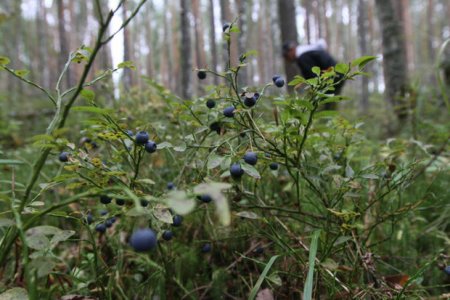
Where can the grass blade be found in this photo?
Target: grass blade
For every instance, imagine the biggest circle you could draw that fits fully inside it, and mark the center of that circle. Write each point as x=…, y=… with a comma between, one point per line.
x=307, y=292
x=261, y=278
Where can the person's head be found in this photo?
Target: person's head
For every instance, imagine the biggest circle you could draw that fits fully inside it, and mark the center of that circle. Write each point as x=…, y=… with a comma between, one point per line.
x=289, y=50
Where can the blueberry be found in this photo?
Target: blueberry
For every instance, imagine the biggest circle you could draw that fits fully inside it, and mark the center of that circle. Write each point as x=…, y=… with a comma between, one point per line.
x=129, y=132
x=170, y=185
x=236, y=171
x=100, y=228
x=210, y=103
x=259, y=250
x=120, y=202
x=251, y=158
x=89, y=218
x=64, y=157
x=201, y=75
x=249, y=101
x=279, y=82
x=105, y=199
x=143, y=240
x=215, y=127
x=273, y=166
x=150, y=146
x=144, y=203
x=141, y=137
x=447, y=270
x=206, y=248
x=103, y=212
x=205, y=198
x=225, y=27
x=167, y=235
x=109, y=223
x=275, y=77
x=229, y=111
x=113, y=219
x=177, y=220
x=256, y=96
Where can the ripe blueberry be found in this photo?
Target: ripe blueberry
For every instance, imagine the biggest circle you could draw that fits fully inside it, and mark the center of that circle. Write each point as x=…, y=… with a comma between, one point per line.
x=109, y=223
x=201, y=75
x=236, y=171
x=447, y=270
x=249, y=101
x=273, y=166
x=129, y=132
x=144, y=203
x=259, y=250
x=279, y=82
x=64, y=157
x=229, y=111
x=103, y=212
x=177, y=220
x=215, y=127
x=251, y=158
x=275, y=77
x=225, y=27
x=120, y=202
x=100, y=228
x=143, y=240
x=206, y=248
x=167, y=235
x=210, y=103
x=89, y=218
x=113, y=219
x=205, y=198
x=105, y=199
x=170, y=185
x=141, y=137
x=150, y=146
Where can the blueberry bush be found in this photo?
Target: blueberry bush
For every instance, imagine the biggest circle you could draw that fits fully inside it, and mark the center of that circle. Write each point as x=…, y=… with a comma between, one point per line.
x=239, y=193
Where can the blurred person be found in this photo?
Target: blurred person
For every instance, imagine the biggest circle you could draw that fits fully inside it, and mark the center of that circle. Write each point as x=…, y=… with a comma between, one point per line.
x=309, y=56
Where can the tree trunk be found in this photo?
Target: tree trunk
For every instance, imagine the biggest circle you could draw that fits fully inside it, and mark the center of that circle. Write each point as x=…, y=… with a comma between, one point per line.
x=186, y=64
x=199, y=42
x=127, y=75
x=227, y=17
x=63, y=42
x=394, y=58
x=148, y=40
x=288, y=27
x=212, y=37
x=362, y=38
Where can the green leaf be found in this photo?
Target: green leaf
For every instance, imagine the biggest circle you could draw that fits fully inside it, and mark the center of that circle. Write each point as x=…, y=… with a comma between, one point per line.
x=214, y=161
x=163, y=214
x=362, y=61
x=180, y=203
x=38, y=242
x=21, y=73
x=92, y=109
x=4, y=61
x=180, y=148
x=43, y=265
x=349, y=173
x=297, y=80
x=6, y=222
x=341, y=68
x=316, y=70
x=236, y=29
x=88, y=94
x=250, y=170
x=127, y=64
x=16, y=293
x=261, y=278
x=326, y=114
x=164, y=145
x=61, y=236
x=370, y=176
x=308, y=289
x=247, y=215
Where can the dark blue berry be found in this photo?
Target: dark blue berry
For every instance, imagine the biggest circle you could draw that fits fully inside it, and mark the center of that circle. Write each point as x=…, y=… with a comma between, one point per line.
x=109, y=223
x=141, y=137
x=143, y=240
x=129, y=132
x=275, y=77
x=205, y=198
x=206, y=248
x=170, y=185
x=201, y=75
x=215, y=127
x=64, y=157
x=225, y=27
x=113, y=219
x=447, y=270
x=236, y=171
x=250, y=101
x=259, y=250
x=103, y=212
x=229, y=111
x=100, y=228
x=251, y=158
x=273, y=166
x=279, y=82
x=210, y=103
x=144, y=203
x=89, y=218
x=150, y=146
x=120, y=202
x=105, y=199
x=167, y=235
x=177, y=220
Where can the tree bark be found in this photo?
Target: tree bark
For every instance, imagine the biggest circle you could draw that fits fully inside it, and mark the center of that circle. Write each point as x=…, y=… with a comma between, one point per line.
x=127, y=75
x=63, y=42
x=394, y=58
x=186, y=60
x=288, y=27
x=362, y=38
x=212, y=38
